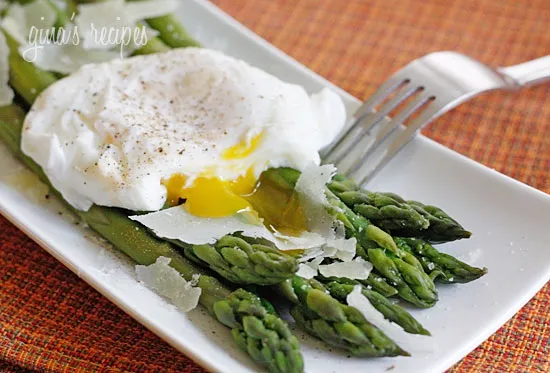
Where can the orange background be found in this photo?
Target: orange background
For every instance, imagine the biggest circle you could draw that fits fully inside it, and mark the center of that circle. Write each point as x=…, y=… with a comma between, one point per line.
x=52, y=321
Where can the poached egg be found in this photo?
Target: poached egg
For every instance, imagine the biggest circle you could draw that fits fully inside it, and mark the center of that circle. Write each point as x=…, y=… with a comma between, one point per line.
x=190, y=124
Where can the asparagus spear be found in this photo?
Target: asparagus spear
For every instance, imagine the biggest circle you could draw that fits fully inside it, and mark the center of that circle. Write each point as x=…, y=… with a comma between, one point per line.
x=285, y=178
x=380, y=208
x=397, y=216
x=333, y=322
x=399, y=267
x=340, y=288
x=172, y=32
x=442, y=227
x=243, y=260
x=255, y=327
x=379, y=284
x=442, y=267
x=170, y=29
x=25, y=78
x=154, y=45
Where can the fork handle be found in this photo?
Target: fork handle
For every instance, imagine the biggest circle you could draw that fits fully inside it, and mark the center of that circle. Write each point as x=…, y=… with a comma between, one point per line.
x=528, y=73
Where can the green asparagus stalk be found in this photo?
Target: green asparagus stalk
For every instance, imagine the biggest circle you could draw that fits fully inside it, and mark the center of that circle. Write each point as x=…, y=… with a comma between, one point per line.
x=285, y=178
x=25, y=78
x=340, y=288
x=442, y=267
x=411, y=282
x=255, y=327
x=379, y=284
x=211, y=257
x=381, y=209
x=397, y=216
x=333, y=322
x=259, y=331
x=172, y=32
x=400, y=268
x=243, y=260
x=442, y=227
x=154, y=45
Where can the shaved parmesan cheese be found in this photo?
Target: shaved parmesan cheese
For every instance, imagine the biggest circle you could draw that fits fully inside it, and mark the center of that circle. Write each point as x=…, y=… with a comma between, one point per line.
x=344, y=249
x=6, y=93
x=167, y=282
x=311, y=186
x=105, y=24
x=309, y=270
x=306, y=240
x=316, y=252
x=305, y=271
x=357, y=269
x=337, y=248
x=315, y=263
x=413, y=343
x=11, y=26
x=176, y=223
x=14, y=23
x=139, y=10
x=19, y=20
x=67, y=58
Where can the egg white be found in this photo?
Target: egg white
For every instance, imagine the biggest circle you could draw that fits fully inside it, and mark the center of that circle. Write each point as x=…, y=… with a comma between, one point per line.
x=110, y=133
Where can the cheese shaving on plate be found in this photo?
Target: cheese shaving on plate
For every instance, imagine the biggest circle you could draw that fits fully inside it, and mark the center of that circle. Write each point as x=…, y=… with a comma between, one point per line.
x=176, y=223
x=66, y=58
x=311, y=186
x=357, y=269
x=20, y=19
x=116, y=16
x=309, y=270
x=340, y=248
x=6, y=93
x=167, y=282
x=413, y=343
x=306, y=271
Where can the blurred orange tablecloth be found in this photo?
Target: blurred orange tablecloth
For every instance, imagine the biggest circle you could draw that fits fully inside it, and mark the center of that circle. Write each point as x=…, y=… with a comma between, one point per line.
x=50, y=320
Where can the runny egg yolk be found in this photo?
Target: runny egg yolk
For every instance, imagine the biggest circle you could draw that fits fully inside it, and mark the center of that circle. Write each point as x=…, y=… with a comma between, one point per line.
x=242, y=149
x=210, y=196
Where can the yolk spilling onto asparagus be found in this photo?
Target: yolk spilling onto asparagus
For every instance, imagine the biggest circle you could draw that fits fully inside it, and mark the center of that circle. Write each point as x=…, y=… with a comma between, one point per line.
x=213, y=197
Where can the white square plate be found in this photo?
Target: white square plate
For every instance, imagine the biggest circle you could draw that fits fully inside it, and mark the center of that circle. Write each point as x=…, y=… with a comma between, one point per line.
x=509, y=221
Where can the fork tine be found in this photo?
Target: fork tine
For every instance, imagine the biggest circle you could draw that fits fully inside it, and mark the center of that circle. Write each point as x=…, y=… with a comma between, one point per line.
x=371, y=119
x=367, y=107
x=429, y=114
x=364, y=125
x=335, y=152
x=383, y=92
x=388, y=128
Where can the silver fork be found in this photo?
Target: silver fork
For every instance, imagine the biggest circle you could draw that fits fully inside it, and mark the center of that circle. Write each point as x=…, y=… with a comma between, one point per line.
x=427, y=88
